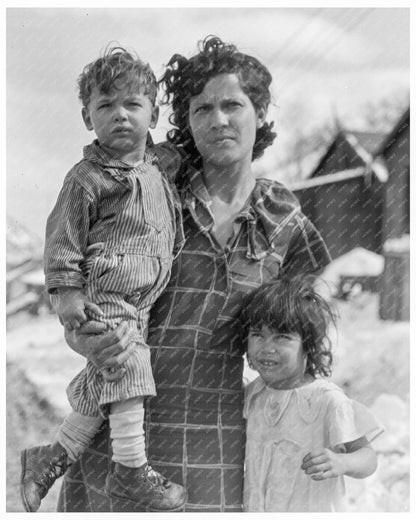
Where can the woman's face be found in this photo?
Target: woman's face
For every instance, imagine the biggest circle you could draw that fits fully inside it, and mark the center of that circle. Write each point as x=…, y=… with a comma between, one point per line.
x=223, y=122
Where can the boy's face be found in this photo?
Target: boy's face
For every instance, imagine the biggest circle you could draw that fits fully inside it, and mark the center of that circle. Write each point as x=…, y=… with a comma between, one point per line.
x=121, y=120
x=277, y=356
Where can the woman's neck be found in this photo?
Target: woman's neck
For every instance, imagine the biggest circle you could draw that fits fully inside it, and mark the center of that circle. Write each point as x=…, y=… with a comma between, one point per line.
x=230, y=184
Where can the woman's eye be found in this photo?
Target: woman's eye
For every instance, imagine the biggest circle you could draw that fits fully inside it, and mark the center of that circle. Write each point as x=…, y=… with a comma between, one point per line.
x=201, y=109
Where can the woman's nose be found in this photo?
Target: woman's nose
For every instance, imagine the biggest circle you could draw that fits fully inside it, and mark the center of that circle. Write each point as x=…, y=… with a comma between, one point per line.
x=219, y=119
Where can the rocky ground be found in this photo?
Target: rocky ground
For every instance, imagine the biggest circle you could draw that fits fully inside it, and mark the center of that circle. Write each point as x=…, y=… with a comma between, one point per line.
x=372, y=364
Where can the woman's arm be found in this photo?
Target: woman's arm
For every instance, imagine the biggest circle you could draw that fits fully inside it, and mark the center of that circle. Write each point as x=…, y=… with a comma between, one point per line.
x=104, y=349
x=360, y=461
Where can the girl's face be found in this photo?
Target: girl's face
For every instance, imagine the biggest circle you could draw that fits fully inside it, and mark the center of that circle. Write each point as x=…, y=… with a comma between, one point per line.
x=223, y=122
x=278, y=357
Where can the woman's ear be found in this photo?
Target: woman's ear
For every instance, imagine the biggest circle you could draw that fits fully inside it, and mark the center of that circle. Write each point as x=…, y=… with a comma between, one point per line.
x=155, y=117
x=261, y=114
x=87, y=119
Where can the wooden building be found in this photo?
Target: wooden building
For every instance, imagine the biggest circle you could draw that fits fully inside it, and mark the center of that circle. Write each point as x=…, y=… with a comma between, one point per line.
x=358, y=195
x=395, y=153
x=348, y=150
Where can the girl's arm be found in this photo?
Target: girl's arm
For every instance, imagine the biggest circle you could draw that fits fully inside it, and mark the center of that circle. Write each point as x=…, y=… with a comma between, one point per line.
x=360, y=461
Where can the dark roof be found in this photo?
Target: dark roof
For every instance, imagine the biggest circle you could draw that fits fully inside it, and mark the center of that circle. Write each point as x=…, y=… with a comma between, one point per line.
x=364, y=144
x=402, y=123
x=370, y=141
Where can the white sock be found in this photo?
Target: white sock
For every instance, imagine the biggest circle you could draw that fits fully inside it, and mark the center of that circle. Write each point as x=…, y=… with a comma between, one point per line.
x=127, y=434
x=76, y=433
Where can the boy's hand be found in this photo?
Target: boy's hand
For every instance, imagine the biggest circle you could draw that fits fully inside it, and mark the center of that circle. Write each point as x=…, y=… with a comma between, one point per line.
x=323, y=464
x=70, y=305
x=114, y=373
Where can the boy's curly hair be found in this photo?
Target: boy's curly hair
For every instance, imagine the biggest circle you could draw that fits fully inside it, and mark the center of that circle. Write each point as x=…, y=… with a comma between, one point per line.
x=117, y=68
x=292, y=305
x=185, y=78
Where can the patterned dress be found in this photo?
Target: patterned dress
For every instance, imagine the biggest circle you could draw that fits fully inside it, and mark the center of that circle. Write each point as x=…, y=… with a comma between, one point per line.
x=195, y=428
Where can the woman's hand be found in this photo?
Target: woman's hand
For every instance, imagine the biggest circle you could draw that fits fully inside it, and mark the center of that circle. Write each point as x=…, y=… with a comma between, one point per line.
x=106, y=350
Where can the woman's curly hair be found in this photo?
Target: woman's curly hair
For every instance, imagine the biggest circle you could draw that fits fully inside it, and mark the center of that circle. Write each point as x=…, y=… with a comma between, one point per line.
x=116, y=67
x=292, y=305
x=185, y=78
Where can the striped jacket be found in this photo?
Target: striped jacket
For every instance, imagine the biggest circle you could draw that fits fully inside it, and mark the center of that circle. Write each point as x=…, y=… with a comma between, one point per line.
x=87, y=209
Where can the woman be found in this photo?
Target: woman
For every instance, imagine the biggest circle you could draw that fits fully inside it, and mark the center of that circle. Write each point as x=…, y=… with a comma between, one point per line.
x=240, y=232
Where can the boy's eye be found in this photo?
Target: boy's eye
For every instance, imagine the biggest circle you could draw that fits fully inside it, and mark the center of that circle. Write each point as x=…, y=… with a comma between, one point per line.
x=104, y=105
x=233, y=104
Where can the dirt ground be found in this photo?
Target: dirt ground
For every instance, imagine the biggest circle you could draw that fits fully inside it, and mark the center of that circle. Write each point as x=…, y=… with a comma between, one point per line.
x=372, y=364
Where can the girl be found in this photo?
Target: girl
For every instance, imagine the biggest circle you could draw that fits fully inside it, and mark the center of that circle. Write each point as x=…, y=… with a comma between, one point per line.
x=303, y=433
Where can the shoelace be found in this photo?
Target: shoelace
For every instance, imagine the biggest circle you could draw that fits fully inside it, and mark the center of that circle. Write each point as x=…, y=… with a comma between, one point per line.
x=155, y=477
x=57, y=467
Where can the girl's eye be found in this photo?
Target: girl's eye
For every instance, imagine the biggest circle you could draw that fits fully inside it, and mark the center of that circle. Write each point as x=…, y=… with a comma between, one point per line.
x=104, y=105
x=284, y=337
x=255, y=334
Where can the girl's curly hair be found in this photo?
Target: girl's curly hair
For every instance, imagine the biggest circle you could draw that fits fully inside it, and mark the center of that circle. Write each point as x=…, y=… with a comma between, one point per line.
x=185, y=78
x=292, y=305
x=116, y=67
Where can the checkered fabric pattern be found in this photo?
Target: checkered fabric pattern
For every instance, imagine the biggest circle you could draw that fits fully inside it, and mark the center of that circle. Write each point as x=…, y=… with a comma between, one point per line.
x=194, y=427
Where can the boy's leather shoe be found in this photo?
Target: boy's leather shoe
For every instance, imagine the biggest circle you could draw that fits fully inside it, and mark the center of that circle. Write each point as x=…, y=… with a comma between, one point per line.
x=41, y=466
x=146, y=487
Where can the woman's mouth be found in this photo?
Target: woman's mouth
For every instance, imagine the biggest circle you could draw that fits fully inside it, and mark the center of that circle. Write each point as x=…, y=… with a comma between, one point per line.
x=267, y=363
x=223, y=139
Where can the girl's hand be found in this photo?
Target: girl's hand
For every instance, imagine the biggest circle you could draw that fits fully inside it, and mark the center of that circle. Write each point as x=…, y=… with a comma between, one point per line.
x=323, y=464
x=105, y=349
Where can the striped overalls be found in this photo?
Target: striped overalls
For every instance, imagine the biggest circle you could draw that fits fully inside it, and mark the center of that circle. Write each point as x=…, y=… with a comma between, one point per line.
x=124, y=274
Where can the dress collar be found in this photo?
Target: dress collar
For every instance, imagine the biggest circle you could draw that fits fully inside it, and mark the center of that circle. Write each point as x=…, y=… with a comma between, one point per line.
x=270, y=205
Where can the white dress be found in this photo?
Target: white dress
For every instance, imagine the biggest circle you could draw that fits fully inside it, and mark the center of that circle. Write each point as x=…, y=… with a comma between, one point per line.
x=282, y=427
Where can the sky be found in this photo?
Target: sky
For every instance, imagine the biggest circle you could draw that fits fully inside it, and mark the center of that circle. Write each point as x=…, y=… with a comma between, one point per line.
x=323, y=61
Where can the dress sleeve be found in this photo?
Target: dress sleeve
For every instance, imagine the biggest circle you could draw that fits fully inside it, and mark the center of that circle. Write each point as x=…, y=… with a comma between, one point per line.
x=307, y=251
x=169, y=158
x=66, y=236
x=348, y=420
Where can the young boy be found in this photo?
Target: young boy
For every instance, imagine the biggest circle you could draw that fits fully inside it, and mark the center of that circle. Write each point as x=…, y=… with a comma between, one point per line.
x=108, y=256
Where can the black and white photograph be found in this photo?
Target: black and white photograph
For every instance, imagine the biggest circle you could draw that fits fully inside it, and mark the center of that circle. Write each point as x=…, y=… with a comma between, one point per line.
x=208, y=259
